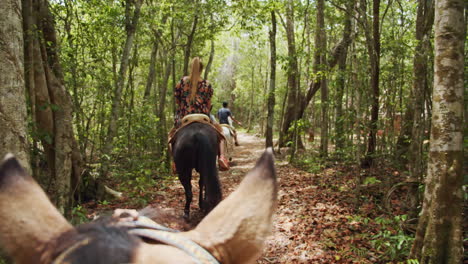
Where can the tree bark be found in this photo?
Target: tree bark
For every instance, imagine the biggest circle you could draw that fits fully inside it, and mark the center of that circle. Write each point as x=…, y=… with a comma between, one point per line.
x=188, y=46
x=439, y=233
x=291, y=113
x=271, y=89
x=373, y=47
x=131, y=25
x=152, y=65
x=13, y=136
x=53, y=104
x=320, y=68
x=210, y=61
x=424, y=22
x=339, y=122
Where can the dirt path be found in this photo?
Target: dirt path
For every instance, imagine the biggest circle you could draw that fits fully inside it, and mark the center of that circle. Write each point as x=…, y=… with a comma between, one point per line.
x=314, y=220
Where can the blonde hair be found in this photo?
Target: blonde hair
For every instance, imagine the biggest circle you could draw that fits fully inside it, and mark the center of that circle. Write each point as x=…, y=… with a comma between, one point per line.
x=195, y=73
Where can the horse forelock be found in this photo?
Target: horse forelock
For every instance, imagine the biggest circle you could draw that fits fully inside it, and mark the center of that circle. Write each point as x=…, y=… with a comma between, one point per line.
x=95, y=242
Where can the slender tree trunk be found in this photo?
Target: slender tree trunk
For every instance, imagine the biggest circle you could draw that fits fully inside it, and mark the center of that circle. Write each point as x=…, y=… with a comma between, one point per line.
x=152, y=65
x=252, y=90
x=320, y=65
x=162, y=108
x=424, y=22
x=271, y=89
x=373, y=44
x=290, y=114
x=439, y=233
x=188, y=46
x=131, y=26
x=152, y=69
x=13, y=136
x=210, y=60
x=339, y=122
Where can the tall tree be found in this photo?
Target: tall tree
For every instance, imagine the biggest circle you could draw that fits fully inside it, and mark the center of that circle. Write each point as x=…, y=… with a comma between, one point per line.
x=12, y=92
x=52, y=103
x=131, y=23
x=291, y=112
x=424, y=22
x=373, y=48
x=190, y=37
x=271, y=89
x=439, y=233
x=320, y=71
x=339, y=122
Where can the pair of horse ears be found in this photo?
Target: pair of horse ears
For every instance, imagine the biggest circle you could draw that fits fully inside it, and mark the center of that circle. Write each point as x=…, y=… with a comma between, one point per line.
x=234, y=231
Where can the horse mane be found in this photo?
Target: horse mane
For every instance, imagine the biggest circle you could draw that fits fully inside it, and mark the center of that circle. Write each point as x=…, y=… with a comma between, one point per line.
x=96, y=242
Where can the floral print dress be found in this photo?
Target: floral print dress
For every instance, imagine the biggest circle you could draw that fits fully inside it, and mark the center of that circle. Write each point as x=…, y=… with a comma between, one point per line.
x=201, y=104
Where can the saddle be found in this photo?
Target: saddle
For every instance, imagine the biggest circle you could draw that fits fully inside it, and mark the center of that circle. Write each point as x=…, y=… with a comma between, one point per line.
x=192, y=118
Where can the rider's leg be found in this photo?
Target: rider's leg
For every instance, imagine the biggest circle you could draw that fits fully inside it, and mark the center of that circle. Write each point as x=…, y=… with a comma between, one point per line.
x=222, y=161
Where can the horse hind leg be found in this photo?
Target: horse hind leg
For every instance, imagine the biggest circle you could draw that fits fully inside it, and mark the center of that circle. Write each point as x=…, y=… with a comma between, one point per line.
x=185, y=178
x=201, y=200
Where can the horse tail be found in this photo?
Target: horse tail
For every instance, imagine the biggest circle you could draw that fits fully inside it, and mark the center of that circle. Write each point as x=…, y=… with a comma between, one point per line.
x=207, y=152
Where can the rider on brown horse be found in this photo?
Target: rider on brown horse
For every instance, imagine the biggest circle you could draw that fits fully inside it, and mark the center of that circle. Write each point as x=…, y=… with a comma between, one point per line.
x=193, y=96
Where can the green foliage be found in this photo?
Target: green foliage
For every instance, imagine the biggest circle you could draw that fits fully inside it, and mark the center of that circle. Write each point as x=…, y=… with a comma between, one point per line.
x=392, y=241
x=371, y=181
x=78, y=215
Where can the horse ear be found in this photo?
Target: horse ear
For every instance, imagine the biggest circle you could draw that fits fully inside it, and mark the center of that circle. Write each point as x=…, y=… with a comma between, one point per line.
x=234, y=232
x=29, y=219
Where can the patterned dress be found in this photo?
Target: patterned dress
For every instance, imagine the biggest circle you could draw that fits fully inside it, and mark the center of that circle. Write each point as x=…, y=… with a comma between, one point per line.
x=201, y=104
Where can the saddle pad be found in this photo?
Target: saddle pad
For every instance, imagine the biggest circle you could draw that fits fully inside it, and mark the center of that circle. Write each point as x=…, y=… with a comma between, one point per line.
x=192, y=118
x=195, y=118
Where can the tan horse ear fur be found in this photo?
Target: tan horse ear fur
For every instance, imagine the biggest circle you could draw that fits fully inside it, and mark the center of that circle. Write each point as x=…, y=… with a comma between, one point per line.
x=235, y=231
x=28, y=218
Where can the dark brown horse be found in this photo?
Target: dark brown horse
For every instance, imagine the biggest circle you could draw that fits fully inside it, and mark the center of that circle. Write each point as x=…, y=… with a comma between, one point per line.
x=196, y=147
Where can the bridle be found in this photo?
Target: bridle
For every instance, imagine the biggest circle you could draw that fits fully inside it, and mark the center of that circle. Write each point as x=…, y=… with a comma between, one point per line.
x=147, y=229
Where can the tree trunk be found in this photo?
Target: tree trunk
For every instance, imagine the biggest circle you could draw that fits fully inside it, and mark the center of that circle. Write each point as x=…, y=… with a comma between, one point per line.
x=320, y=66
x=373, y=47
x=152, y=69
x=339, y=122
x=13, y=136
x=131, y=25
x=424, y=22
x=152, y=65
x=210, y=61
x=291, y=113
x=188, y=46
x=53, y=104
x=252, y=91
x=271, y=89
x=439, y=233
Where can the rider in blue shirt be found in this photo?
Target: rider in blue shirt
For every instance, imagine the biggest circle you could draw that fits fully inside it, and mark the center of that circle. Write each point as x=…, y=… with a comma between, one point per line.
x=223, y=116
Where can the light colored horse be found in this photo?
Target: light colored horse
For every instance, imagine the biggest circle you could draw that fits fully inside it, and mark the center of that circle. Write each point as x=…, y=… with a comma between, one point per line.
x=33, y=230
x=229, y=142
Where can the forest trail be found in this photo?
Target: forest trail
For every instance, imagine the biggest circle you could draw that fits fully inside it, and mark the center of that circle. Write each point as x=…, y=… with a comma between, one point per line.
x=313, y=222
x=317, y=219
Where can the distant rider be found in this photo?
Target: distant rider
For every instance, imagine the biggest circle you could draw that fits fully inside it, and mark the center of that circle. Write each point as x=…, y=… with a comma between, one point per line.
x=223, y=116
